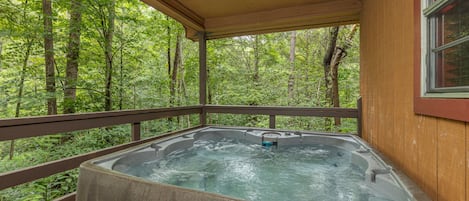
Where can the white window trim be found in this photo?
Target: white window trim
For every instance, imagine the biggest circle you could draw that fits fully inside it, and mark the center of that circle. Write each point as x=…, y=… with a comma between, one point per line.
x=424, y=50
x=424, y=82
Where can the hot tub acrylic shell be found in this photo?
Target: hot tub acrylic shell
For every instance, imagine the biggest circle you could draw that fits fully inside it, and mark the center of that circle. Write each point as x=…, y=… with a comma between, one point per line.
x=102, y=178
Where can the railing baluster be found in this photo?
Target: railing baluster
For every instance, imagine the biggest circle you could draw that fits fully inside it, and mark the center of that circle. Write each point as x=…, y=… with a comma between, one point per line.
x=136, y=131
x=359, y=117
x=271, y=121
x=203, y=117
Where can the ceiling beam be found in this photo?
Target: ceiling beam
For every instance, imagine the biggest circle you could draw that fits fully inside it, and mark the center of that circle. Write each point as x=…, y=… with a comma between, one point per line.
x=179, y=12
x=280, y=28
x=314, y=15
x=307, y=16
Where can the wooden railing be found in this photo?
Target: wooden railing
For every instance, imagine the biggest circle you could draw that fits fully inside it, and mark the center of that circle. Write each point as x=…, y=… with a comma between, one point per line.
x=38, y=126
x=11, y=129
x=285, y=111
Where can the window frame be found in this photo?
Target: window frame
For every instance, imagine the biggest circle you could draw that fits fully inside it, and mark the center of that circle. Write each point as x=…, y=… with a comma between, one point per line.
x=431, y=50
x=448, y=105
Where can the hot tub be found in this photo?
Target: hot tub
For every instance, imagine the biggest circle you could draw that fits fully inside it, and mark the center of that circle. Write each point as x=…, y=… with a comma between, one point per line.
x=215, y=163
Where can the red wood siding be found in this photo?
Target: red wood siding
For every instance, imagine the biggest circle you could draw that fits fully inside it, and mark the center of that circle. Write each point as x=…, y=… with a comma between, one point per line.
x=432, y=151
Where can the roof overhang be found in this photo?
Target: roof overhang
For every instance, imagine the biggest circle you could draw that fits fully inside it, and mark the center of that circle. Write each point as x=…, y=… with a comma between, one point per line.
x=228, y=18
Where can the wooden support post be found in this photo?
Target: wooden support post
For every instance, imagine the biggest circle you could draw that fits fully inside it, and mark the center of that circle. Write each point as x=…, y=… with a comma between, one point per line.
x=271, y=121
x=359, y=117
x=136, y=131
x=203, y=76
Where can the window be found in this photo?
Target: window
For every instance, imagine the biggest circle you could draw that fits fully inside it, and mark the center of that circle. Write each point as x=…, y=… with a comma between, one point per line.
x=447, y=50
x=441, y=68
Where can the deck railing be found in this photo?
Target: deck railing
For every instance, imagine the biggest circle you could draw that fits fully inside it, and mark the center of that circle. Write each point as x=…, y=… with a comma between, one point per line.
x=11, y=129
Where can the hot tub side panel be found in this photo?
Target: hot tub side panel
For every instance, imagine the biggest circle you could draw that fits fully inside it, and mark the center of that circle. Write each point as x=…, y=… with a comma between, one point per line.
x=97, y=184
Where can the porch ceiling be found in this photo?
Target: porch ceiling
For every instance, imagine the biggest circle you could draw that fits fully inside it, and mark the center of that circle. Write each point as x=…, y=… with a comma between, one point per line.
x=227, y=18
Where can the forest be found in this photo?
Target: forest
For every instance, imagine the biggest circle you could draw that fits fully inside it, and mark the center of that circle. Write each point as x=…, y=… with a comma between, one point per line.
x=78, y=56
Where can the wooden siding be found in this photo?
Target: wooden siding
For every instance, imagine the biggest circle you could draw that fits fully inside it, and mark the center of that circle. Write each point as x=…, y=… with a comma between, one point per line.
x=431, y=151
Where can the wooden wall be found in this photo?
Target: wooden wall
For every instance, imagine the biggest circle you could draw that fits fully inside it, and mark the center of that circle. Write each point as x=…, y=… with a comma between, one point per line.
x=431, y=151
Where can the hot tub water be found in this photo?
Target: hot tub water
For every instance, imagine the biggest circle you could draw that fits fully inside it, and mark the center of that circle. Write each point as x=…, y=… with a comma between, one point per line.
x=234, y=164
x=252, y=172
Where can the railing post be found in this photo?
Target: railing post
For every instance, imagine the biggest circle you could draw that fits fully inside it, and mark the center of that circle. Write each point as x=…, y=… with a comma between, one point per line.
x=271, y=121
x=359, y=117
x=202, y=76
x=203, y=116
x=135, y=131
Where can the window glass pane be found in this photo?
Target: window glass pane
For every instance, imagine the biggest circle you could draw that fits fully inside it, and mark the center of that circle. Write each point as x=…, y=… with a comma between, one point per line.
x=452, y=66
x=452, y=22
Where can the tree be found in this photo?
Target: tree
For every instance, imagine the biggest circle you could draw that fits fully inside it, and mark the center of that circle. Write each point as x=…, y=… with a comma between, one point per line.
x=174, y=73
x=49, y=57
x=121, y=62
x=73, y=54
x=181, y=81
x=1, y=48
x=105, y=12
x=256, y=61
x=332, y=59
x=291, y=77
x=168, y=48
x=108, y=33
x=27, y=53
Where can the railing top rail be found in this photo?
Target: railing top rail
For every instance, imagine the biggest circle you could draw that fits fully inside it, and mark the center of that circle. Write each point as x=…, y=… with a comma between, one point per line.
x=91, y=115
x=38, y=126
x=283, y=110
x=24, y=175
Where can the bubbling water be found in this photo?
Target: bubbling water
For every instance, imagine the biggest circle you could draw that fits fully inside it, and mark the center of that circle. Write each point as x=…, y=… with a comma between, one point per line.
x=252, y=172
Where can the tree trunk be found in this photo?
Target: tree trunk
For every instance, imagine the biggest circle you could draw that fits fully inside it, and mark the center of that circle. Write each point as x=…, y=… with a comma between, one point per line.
x=254, y=120
x=327, y=63
x=182, y=100
x=182, y=82
x=335, y=87
x=168, y=60
x=27, y=54
x=22, y=76
x=29, y=44
x=108, y=36
x=339, y=54
x=256, y=61
x=174, y=73
x=209, y=91
x=291, y=77
x=1, y=54
x=49, y=57
x=121, y=70
x=135, y=97
x=328, y=72
x=332, y=60
x=168, y=50
x=73, y=55
x=182, y=86
x=174, y=76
